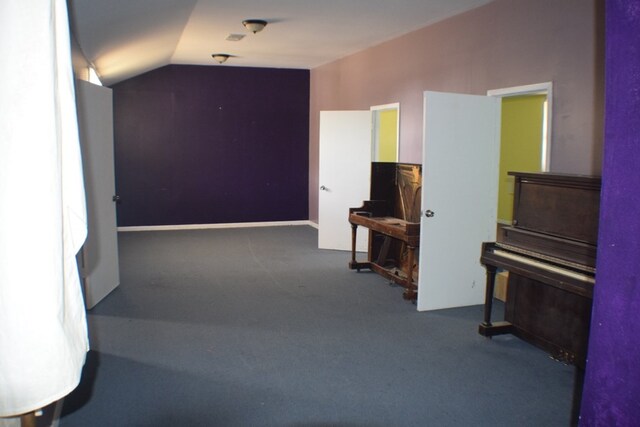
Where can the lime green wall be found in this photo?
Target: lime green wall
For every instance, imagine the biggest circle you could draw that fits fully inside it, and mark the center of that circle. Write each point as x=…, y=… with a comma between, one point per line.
x=388, y=134
x=520, y=145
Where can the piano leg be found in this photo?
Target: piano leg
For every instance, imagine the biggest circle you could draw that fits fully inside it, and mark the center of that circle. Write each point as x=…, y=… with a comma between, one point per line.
x=354, y=264
x=488, y=296
x=487, y=328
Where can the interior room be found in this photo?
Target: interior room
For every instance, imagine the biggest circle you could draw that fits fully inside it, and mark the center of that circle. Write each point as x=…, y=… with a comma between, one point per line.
x=230, y=151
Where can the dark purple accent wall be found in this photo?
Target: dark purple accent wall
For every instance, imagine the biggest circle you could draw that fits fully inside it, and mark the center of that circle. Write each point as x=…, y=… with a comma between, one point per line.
x=611, y=394
x=212, y=144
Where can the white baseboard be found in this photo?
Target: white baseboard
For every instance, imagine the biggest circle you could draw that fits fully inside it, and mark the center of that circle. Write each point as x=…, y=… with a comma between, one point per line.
x=213, y=226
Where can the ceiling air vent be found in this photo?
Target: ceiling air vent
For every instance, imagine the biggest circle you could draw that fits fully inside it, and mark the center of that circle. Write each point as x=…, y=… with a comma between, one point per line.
x=234, y=37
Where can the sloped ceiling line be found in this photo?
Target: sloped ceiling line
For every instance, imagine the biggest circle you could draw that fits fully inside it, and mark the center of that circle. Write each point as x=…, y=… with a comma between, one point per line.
x=125, y=38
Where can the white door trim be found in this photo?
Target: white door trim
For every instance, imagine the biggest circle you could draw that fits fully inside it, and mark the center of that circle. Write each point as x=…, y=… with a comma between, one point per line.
x=375, y=109
x=545, y=88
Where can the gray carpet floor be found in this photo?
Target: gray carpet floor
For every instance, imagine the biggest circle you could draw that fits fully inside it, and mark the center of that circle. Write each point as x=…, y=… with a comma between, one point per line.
x=258, y=327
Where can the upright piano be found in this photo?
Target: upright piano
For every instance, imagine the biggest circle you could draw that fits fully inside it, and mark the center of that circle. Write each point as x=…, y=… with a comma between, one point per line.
x=550, y=254
x=393, y=219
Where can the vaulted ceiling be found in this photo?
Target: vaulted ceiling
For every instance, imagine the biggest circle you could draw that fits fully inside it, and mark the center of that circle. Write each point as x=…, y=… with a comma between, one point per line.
x=124, y=38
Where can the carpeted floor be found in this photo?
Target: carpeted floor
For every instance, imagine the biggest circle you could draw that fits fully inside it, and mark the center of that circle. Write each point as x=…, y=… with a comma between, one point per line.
x=257, y=327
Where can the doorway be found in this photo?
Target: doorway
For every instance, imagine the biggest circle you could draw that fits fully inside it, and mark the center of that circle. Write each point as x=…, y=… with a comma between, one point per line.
x=524, y=138
x=385, y=132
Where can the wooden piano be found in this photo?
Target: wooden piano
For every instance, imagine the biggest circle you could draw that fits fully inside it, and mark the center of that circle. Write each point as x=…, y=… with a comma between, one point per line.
x=550, y=254
x=393, y=219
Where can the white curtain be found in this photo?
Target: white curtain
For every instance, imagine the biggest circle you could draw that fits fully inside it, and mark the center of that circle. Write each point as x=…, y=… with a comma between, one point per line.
x=43, y=331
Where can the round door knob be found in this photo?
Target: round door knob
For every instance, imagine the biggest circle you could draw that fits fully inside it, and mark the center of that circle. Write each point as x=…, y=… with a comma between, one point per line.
x=323, y=188
x=429, y=213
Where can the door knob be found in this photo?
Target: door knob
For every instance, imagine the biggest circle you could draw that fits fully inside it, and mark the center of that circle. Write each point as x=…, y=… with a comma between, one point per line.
x=116, y=199
x=323, y=188
x=429, y=213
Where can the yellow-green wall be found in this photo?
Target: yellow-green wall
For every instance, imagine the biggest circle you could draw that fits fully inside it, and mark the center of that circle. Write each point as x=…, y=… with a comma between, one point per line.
x=388, y=134
x=520, y=145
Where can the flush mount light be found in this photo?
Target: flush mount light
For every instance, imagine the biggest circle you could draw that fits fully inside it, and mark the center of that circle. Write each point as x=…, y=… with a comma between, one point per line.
x=221, y=57
x=254, y=25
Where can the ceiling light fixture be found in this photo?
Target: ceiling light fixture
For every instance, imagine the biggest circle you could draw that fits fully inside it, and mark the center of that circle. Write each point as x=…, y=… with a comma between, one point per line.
x=254, y=25
x=220, y=57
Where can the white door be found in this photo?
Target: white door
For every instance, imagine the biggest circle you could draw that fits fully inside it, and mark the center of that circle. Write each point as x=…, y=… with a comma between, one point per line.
x=99, y=256
x=344, y=175
x=461, y=149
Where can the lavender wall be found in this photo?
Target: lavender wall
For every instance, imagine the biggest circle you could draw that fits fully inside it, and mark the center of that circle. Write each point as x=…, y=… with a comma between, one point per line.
x=612, y=384
x=502, y=44
x=199, y=145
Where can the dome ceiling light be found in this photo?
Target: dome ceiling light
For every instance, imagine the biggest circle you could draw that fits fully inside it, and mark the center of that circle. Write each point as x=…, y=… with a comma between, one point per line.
x=221, y=57
x=254, y=25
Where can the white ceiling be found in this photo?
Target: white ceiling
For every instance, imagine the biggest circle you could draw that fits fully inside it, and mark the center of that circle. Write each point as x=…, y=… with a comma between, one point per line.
x=124, y=38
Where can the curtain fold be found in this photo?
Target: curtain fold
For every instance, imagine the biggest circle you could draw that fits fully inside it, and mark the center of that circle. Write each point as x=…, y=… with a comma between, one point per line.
x=43, y=330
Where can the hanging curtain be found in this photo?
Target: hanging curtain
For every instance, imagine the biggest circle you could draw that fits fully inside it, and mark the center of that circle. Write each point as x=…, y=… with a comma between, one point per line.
x=43, y=331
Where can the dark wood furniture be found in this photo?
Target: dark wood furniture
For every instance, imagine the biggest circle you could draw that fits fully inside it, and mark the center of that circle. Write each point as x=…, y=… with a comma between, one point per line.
x=550, y=254
x=393, y=219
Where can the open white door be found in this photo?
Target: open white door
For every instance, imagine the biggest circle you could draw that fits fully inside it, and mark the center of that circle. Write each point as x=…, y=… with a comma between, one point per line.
x=461, y=151
x=99, y=256
x=344, y=175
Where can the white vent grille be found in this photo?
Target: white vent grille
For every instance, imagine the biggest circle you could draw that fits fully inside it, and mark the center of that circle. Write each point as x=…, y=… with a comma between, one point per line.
x=234, y=37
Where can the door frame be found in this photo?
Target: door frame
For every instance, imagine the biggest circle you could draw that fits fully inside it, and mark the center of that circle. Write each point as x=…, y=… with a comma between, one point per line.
x=545, y=88
x=375, y=126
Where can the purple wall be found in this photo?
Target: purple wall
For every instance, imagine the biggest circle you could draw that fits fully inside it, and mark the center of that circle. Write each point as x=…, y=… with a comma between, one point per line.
x=611, y=394
x=200, y=145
